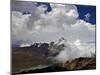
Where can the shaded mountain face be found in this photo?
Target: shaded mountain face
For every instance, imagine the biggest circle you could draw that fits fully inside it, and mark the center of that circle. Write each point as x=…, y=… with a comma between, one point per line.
x=26, y=57
x=36, y=48
x=40, y=48
x=55, y=47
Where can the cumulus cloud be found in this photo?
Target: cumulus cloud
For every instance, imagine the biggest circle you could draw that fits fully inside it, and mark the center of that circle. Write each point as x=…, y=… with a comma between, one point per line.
x=61, y=21
x=39, y=26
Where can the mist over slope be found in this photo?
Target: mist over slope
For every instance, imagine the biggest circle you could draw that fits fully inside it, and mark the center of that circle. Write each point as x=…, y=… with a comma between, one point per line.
x=62, y=50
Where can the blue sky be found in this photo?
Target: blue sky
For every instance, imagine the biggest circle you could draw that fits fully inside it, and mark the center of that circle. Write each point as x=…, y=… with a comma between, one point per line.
x=83, y=10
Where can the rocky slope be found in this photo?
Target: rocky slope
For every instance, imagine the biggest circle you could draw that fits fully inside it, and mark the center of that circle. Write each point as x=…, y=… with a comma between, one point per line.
x=77, y=64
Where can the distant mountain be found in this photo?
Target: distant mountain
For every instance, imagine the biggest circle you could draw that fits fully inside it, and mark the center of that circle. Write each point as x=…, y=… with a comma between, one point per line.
x=39, y=48
x=15, y=45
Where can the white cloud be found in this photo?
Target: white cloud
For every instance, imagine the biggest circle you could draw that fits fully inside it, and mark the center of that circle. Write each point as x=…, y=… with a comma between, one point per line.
x=41, y=26
x=87, y=16
x=82, y=30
